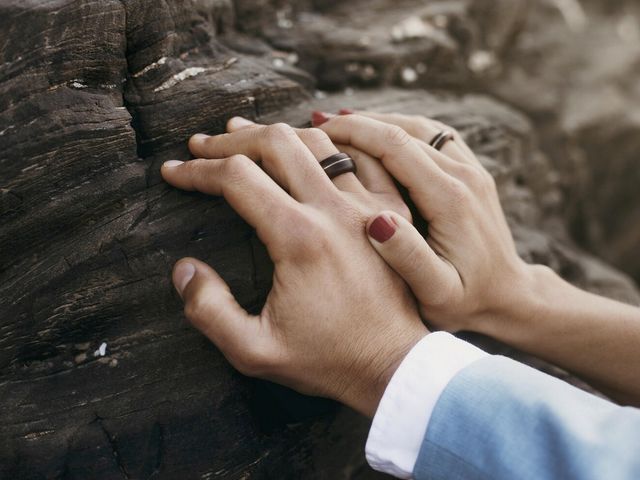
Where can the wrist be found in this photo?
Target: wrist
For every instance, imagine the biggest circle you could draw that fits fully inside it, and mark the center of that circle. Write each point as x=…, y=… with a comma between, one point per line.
x=529, y=294
x=367, y=387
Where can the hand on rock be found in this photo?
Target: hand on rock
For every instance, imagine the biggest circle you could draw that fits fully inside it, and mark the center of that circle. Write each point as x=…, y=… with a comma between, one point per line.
x=338, y=319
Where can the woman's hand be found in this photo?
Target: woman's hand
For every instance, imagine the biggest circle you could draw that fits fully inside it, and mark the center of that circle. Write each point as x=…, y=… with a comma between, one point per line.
x=467, y=275
x=466, y=272
x=338, y=320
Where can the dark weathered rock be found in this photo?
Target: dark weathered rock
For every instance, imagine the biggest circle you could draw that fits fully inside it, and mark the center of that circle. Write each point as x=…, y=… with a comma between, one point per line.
x=407, y=42
x=93, y=97
x=575, y=71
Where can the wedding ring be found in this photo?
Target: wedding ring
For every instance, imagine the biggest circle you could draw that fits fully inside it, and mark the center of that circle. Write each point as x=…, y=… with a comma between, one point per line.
x=338, y=164
x=441, y=139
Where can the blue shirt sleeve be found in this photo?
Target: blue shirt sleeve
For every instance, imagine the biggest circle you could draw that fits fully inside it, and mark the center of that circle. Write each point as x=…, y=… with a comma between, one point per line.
x=501, y=420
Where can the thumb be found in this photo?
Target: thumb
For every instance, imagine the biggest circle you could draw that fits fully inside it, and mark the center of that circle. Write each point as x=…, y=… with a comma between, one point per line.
x=211, y=307
x=430, y=277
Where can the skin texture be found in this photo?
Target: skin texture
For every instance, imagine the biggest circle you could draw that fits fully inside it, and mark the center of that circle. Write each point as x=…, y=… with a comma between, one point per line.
x=338, y=319
x=467, y=275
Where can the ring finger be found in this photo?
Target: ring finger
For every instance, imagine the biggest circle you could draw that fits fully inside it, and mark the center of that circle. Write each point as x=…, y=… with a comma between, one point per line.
x=322, y=147
x=318, y=143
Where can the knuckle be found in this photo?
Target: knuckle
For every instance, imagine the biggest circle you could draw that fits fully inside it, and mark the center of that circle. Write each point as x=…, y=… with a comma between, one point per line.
x=396, y=136
x=196, y=167
x=488, y=182
x=423, y=123
x=236, y=167
x=469, y=174
x=278, y=132
x=418, y=127
x=315, y=137
x=309, y=238
x=315, y=242
x=443, y=126
x=459, y=194
x=476, y=178
x=409, y=263
x=199, y=172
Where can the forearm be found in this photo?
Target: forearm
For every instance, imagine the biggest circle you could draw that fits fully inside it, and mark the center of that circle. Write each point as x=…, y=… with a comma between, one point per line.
x=591, y=336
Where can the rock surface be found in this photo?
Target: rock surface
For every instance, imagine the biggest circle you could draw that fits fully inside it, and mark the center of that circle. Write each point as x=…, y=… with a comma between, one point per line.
x=95, y=95
x=576, y=74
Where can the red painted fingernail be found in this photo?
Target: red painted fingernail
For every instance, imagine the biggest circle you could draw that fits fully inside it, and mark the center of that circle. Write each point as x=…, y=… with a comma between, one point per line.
x=382, y=228
x=318, y=118
x=346, y=111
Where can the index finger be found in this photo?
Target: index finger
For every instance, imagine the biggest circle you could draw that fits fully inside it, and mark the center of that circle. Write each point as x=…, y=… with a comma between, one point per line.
x=425, y=129
x=283, y=155
x=248, y=189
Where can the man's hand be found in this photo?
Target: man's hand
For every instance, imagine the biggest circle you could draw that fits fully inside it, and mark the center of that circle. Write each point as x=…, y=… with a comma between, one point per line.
x=466, y=272
x=338, y=320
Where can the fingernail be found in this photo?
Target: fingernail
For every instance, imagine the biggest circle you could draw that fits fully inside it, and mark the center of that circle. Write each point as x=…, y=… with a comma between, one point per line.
x=382, y=228
x=199, y=137
x=346, y=111
x=182, y=275
x=239, y=122
x=172, y=163
x=318, y=118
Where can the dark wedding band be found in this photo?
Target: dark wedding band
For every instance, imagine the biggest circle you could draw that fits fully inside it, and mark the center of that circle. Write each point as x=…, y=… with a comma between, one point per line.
x=441, y=139
x=338, y=164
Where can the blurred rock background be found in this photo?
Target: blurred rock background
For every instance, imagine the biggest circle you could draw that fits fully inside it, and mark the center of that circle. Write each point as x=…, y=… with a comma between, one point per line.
x=95, y=95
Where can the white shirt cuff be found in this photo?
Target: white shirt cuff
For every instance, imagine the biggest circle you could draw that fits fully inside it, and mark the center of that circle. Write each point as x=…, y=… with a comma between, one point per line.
x=401, y=420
